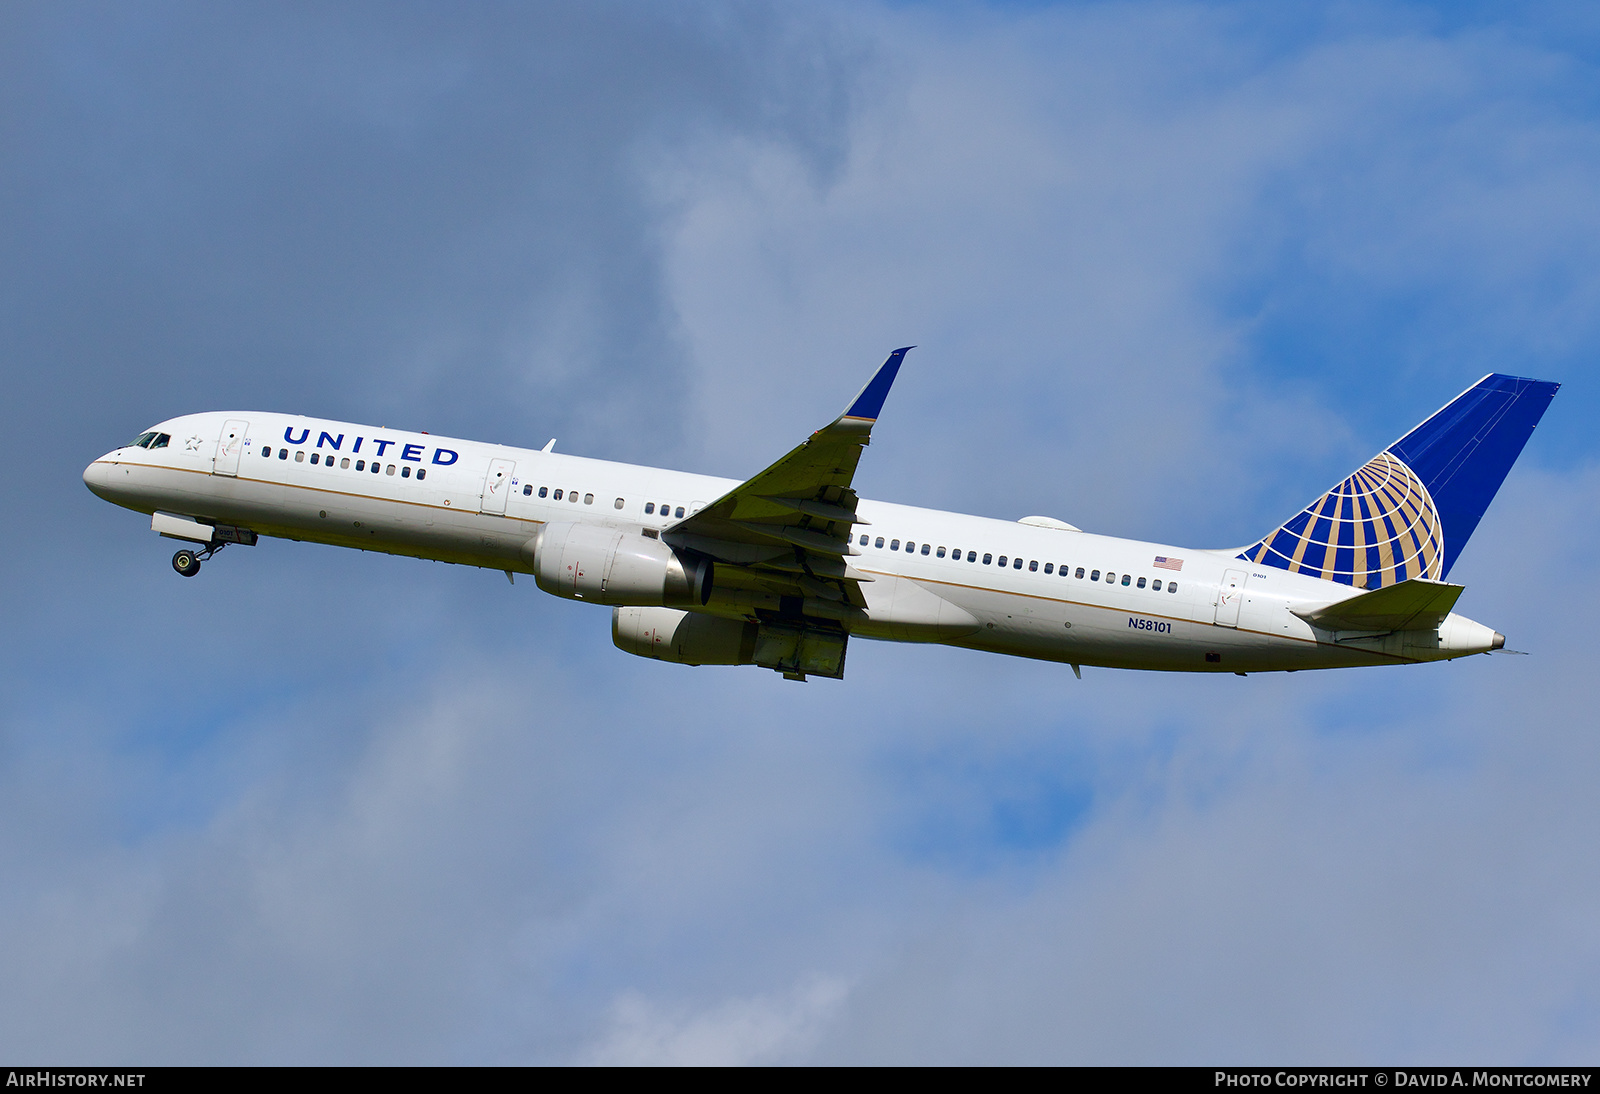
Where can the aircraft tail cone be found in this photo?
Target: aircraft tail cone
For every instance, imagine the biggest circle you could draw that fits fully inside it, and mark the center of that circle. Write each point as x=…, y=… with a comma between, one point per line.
x=1499, y=641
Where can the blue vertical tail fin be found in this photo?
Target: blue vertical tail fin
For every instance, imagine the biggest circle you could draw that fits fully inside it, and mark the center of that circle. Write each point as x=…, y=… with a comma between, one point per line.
x=1408, y=512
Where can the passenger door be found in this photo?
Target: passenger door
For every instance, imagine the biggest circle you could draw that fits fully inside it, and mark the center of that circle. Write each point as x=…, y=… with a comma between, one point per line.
x=229, y=445
x=497, y=486
x=1230, y=594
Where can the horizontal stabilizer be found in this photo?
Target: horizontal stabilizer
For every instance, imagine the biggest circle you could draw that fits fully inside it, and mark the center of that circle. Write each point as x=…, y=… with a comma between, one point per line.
x=1414, y=605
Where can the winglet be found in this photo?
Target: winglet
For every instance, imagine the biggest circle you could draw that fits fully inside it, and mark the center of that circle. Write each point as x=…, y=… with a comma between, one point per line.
x=869, y=403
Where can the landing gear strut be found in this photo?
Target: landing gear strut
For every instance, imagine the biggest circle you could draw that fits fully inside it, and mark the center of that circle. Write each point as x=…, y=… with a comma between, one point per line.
x=187, y=562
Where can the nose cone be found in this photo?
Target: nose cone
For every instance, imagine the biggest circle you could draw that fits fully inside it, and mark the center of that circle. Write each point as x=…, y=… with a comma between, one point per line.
x=97, y=476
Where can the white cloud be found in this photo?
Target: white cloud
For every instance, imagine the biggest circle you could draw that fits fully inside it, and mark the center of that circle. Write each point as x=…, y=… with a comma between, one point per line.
x=759, y=1030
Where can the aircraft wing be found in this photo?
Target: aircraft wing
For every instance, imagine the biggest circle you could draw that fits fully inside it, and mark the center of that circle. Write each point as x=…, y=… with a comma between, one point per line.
x=788, y=529
x=1417, y=604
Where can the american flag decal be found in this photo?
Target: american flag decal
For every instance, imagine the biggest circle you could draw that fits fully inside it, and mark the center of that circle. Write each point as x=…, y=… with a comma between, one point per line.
x=1165, y=563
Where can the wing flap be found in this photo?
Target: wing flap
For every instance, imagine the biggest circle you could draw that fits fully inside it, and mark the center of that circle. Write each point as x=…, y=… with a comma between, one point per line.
x=826, y=511
x=802, y=537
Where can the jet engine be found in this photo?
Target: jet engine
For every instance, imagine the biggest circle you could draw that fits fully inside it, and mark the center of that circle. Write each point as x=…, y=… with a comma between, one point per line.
x=687, y=638
x=607, y=565
x=796, y=649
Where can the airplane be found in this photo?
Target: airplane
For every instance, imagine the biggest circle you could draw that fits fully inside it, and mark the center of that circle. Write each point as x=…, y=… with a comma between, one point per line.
x=783, y=569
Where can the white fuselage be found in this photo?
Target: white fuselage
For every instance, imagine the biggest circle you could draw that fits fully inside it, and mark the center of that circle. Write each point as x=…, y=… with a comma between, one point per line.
x=484, y=505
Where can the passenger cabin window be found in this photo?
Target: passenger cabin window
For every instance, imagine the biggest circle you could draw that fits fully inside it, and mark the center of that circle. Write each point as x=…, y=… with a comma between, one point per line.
x=1126, y=578
x=389, y=470
x=1141, y=583
x=361, y=465
x=1156, y=585
x=527, y=491
x=863, y=541
x=266, y=451
x=1002, y=560
x=925, y=549
x=617, y=504
x=1016, y=564
x=1111, y=578
x=376, y=467
x=314, y=457
x=557, y=495
x=588, y=499
x=650, y=508
x=894, y=545
x=940, y=552
x=1048, y=567
x=572, y=496
x=1032, y=566
x=972, y=556
x=1080, y=572
x=283, y=453
x=678, y=512
x=988, y=558
x=345, y=463
x=405, y=472
x=1094, y=575
x=1172, y=586
x=879, y=543
x=544, y=491
x=422, y=473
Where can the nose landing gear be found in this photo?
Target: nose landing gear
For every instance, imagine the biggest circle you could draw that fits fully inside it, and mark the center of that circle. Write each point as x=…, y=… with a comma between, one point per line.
x=187, y=562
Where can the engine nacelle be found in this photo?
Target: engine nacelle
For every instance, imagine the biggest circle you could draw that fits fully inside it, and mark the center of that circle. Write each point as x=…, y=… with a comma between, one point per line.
x=796, y=649
x=609, y=566
x=687, y=638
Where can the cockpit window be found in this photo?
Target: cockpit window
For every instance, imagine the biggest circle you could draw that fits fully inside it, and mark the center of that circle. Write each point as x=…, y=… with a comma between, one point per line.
x=143, y=440
x=162, y=440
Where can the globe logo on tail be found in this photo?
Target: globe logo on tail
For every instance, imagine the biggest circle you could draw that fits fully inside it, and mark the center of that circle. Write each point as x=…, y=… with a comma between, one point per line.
x=1376, y=528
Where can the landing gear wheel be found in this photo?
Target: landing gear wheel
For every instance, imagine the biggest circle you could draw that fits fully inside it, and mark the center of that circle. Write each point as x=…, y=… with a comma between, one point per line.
x=185, y=563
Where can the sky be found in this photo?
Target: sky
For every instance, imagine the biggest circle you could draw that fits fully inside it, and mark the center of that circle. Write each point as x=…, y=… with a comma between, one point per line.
x=1173, y=270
